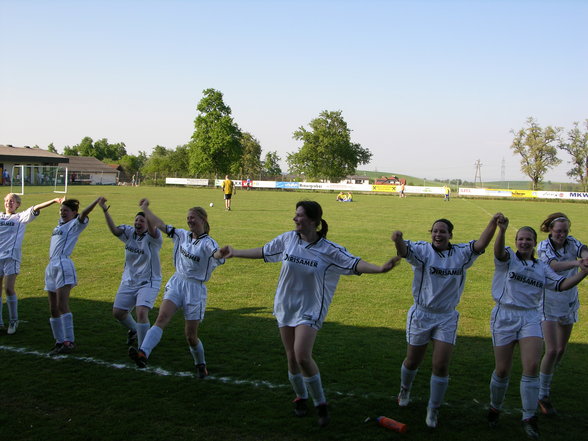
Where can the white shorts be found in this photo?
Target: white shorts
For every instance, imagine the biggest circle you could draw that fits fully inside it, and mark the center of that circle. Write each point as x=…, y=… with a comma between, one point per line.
x=568, y=319
x=128, y=296
x=60, y=272
x=424, y=325
x=509, y=324
x=9, y=266
x=188, y=294
x=311, y=323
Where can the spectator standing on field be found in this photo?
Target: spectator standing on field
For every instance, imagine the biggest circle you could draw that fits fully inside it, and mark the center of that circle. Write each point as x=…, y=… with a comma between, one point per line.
x=562, y=253
x=12, y=230
x=141, y=278
x=439, y=280
x=518, y=288
x=228, y=190
x=447, y=192
x=311, y=266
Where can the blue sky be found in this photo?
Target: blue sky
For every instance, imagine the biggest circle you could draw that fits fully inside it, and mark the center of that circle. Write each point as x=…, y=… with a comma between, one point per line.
x=430, y=87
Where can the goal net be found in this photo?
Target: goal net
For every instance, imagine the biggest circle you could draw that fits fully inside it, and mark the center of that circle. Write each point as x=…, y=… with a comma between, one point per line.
x=38, y=178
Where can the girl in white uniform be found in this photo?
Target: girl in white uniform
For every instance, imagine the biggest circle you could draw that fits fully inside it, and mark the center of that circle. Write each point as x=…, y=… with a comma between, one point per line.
x=311, y=266
x=518, y=288
x=141, y=278
x=12, y=230
x=196, y=255
x=560, y=309
x=60, y=274
x=439, y=279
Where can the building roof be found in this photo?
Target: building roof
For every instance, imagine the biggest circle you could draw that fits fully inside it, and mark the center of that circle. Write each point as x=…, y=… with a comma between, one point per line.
x=28, y=155
x=86, y=164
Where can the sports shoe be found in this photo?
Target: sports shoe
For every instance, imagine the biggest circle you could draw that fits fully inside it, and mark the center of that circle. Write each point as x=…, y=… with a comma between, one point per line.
x=202, y=371
x=132, y=338
x=138, y=356
x=2, y=327
x=432, y=417
x=546, y=407
x=493, y=415
x=55, y=350
x=12, y=327
x=300, y=407
x=323, y=414
x=403, y=397
x=530, y=427
x=67, y=347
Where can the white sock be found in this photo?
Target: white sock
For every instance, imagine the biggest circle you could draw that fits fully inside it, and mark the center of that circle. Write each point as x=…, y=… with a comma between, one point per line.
x=57, y=329
x=315, y=388
x=529, y=395
x=544, y=384
x=142, y=329
x=498, y=387
x=407, y=377
x=198, y=353
x=129, y=322
x=68, y=326
x=438, y=386
x=12, y=303
x=152, y=339
x=297, y=382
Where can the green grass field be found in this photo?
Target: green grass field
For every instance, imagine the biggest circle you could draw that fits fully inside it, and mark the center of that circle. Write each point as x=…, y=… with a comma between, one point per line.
x=98, y=394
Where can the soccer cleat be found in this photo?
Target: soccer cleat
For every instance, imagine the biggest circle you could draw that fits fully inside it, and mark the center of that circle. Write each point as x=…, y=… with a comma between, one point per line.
x=55, y=350
x=12, y=327
x=546, y=407
x=202, y=371
x=323, y=414
x=67, y=347
x=300, y=407
x=132, y=338
x=530, y=427
x=493, y=415
x=138, y=356
x=432, y=417
x=403, y=397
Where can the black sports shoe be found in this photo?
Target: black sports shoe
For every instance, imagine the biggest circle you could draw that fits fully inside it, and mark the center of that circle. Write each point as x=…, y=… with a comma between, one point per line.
x=530, y=427
x=493, y=415
x=132, y=338
x=202, y=371
x=67, y=347
x=55, y=350
x=323, y=414
x=546, y=407
x=300, y=407
x=138, y=356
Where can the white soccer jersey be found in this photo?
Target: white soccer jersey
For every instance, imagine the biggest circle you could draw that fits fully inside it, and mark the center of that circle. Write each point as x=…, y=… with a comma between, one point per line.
x=522, y=283
x=439, y=276
x=142, y=265
x=565, y=302
x=308, y=278
x=65, y=237
x=12, y=230
x=193, y=258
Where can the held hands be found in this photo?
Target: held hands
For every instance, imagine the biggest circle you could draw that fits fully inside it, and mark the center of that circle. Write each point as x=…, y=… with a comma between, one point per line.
x=501, y=221
x=391, y=263
x=397, y=236
x=225, y=252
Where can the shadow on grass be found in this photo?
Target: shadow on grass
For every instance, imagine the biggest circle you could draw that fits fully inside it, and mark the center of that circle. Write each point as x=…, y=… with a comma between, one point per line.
x=247, y=396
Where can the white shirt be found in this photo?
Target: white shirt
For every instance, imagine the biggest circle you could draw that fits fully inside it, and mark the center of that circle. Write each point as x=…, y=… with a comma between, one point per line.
x=522, y=283
x=308, y=278
x=439, y=276
x=142, y=265
x=564, y=302
x=65, y=237
x=193, y=258
x=12, y=230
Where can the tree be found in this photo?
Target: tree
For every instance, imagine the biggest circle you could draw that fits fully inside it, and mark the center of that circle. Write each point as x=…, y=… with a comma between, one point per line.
x=271, y=164
x=327, y=151
x=100, y=149
x=537, y=149
x=51, y=148
x=167, y=162
x=216, y=143
x=132, y=164
x=251, y=159
x=577, y=147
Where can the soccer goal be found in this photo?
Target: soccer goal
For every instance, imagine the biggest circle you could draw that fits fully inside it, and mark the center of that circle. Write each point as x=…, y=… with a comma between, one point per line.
x=36, y=178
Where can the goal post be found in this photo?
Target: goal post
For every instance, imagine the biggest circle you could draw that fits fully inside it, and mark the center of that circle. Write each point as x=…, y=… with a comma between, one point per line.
x=38, y=178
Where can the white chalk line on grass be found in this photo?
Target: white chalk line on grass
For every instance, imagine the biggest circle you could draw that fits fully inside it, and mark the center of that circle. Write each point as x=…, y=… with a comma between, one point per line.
x=227, y=380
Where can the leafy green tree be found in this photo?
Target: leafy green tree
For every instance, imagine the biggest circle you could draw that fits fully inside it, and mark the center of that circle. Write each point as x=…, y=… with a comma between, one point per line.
x=537, y=147
x=51, y=148
x=271, y=165
x=100, y=149
x=327, y=151
x=577, y=146
x=167, y=162
x=132, y=164
x=251, y=159
x=215, y=147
